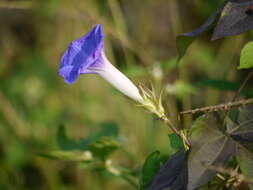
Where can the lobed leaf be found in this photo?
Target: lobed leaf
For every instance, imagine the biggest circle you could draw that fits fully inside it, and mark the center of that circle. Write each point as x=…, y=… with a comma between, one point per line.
x=172, y=175
x=210, y=148
x=241, y=129
x=183, y=41
x=245, y=161
x=235, y=19
x=246, y=59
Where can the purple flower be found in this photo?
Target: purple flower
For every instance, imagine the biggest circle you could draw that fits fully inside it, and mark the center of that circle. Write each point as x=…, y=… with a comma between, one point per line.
x=86, y=55
x=82, y=54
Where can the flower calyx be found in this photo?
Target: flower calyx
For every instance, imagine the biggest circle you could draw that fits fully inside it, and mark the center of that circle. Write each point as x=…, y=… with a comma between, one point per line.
x=151, y=101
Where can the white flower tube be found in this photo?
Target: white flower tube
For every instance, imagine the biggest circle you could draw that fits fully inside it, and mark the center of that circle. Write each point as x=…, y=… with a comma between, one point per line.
x=119, y=80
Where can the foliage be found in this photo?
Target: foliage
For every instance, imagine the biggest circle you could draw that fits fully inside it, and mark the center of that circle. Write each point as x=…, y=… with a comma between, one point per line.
x=150, y=168
x=99, y=145
x=172, y=174
x=246, y=56
x=175, y=142
x=210, y=148
x=88, y=136
x=235, y=17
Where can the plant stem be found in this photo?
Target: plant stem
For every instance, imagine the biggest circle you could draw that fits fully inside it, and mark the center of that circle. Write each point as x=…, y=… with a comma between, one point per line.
x=242, y=85
x=118, y=173
x=168, y=122
x=238, y=92
x=130, y=181
x=219, y=107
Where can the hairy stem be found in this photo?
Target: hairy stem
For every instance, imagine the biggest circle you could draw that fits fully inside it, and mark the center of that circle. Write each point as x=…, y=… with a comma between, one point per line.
x=168, y=122
x=220, y=107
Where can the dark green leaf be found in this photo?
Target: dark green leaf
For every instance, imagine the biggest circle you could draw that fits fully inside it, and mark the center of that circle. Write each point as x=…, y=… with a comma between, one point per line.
x=175, y=142
x=246, y=59
x=233, y=115
x=235, y=19
x=64, y=142
x=219, y=84
x=151, y=166
x=245, y=161
x=241, y=129
x=183, y=41
x=173, y=174
x=224, y=85
x=105, y=129
x=103, y=147
x=210, y=148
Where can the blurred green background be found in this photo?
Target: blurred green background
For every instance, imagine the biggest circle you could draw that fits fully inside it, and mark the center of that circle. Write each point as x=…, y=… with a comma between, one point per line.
x=140, y=41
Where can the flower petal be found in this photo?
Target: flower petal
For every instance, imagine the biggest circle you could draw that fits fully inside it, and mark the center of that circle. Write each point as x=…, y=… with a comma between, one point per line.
x=81, y=54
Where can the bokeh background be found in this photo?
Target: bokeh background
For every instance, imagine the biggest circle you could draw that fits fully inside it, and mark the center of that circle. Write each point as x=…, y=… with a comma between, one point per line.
x=141, y=42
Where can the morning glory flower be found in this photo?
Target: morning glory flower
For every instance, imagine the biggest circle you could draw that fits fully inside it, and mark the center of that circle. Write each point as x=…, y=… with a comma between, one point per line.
x=86, y=55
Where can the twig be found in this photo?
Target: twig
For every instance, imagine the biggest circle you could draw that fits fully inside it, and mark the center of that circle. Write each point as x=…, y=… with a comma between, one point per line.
x=238, y=92
x=219, y=107
x=173, y=128
x=242, y=85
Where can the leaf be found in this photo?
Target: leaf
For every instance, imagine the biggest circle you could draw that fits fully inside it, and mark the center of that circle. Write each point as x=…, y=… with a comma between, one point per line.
x=241, y=130
x=245, y=161
x=101, y=143
x=150, y=167
x=172, y=174
x=224, y=85
x=210, y=148
x=246, y=59
x=68, y=155
x=235, y=19
x=103, y=147
x=219, y=84
x=106, y=129
x=183, y=41
x=175, y=142
x=63, y=141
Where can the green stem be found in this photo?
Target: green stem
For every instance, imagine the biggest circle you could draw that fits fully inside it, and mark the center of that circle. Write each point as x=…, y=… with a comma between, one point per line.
x=167, y=121
x=130, y=181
